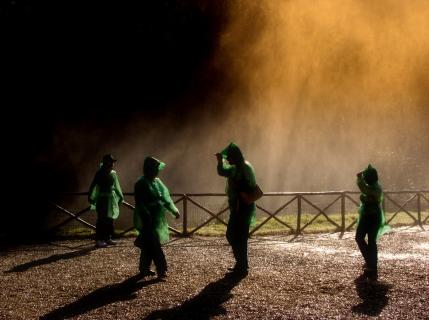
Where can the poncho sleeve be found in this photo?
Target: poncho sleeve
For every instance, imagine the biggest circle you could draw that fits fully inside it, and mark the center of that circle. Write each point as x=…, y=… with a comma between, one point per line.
x=141, y=214
x=366, y=189
x=92, y=192
x=140, y=211
x=117, y=187
x=166, y=198
x=116, y=198
x=225, y=170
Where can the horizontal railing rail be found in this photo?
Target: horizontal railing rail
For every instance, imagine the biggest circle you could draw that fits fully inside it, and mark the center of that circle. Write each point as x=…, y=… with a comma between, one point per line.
x=418, y=198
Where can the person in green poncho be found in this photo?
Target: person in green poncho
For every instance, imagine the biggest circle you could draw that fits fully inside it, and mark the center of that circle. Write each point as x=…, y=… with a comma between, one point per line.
x=105, y=195
x=152, y=200
x=241, y=178
x=371, y=219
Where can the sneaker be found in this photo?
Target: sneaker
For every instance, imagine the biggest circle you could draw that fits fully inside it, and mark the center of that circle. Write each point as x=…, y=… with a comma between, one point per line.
x=100, y=244
x=111, y=242
x=162, y=275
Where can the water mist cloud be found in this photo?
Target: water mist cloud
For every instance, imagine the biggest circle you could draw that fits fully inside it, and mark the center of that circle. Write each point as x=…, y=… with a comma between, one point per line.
x=311, y=92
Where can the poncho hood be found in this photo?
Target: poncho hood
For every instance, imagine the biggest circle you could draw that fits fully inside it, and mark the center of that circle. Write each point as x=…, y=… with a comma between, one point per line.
x=370, y=175
x=152, y=166
x=234, y=152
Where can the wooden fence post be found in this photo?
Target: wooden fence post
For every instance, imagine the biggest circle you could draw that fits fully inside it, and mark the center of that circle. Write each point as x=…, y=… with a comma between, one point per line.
x=185, y=215
x=343, y=212
x=419, y=210
x=298, y=226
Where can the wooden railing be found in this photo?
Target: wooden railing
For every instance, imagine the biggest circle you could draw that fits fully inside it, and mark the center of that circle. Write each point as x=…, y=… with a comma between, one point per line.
x=419, y=215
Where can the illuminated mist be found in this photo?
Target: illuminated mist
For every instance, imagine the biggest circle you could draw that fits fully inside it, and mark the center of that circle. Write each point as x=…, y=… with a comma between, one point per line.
x=311, y=91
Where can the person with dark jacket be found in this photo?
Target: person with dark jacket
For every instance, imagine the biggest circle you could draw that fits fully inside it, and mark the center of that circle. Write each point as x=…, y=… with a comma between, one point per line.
x=105, y=196
x=240, y=178
x=152, y=201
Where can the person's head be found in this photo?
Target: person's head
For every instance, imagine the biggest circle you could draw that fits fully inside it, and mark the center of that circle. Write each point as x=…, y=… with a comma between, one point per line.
x=233, y=154
x=108, y=161
x=370, y=175
x=152, y=167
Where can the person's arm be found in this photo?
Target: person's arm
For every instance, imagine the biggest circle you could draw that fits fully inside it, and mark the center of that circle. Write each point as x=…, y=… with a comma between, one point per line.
x=117, y=187
x=141, y=213
x=224, y=169
x=167, y=201
x=365, y=188
x=92, y=189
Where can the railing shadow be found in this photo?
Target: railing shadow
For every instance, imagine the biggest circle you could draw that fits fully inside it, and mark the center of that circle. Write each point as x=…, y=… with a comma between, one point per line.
x=125, y=290
x=374, y=296
x=206, y=304
x=56, y=257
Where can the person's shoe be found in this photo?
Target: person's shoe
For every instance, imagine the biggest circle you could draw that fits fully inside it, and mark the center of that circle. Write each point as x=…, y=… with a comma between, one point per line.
x=101, y=244
x=370, y=274
x=146, y=273
x=111, y=242
x=162, y=275
x=239, y=271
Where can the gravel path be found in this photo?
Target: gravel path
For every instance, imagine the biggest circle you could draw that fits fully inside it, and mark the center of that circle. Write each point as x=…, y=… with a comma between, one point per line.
x=309, y=277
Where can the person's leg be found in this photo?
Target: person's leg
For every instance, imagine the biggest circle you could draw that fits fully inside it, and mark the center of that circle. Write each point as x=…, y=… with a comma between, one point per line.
x=109, y=231
x=146, y=257
x=242, y=237
x=231, y=235
x=361, y=232
x=159, y=258
x=372, y=246
x=101, y=226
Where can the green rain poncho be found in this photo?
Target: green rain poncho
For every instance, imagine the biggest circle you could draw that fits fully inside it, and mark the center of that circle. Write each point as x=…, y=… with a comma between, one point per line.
x=241, y=177
x=371, y=199
x=105, y=192
x=152, y=201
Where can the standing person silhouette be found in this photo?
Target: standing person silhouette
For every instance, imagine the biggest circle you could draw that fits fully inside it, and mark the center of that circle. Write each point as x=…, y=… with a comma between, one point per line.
x=152, y=200
x=105, y=195
x=371, y=219
x=241, y=178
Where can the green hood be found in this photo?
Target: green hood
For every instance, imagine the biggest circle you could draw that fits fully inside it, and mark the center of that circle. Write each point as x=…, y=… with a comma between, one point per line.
x=152, y=166
x=234, y=152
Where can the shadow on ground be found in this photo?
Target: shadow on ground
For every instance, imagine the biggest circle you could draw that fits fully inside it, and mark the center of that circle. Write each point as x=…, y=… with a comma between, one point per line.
x=374, y=296
x=125, y=290
x=206, y=304
x=50, y=259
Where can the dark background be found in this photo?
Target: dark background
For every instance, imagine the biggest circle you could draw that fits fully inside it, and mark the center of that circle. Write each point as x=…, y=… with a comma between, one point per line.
x=83, y=78
x=95, y=63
